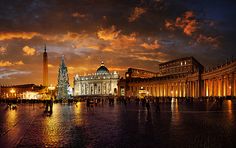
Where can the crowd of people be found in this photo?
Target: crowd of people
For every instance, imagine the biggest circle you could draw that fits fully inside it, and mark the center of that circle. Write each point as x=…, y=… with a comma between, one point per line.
x=93, y=101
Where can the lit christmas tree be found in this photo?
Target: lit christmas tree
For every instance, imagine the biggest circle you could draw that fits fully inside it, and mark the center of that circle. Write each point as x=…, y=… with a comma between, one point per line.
x=63, y=81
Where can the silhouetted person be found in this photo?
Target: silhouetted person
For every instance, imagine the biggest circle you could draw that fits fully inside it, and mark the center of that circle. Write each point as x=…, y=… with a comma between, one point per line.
x=87, y=103
x=157, y=105
x=143, y=102
x=46, y=108
x=148, y=105
x=125, y=102
x=51, y=105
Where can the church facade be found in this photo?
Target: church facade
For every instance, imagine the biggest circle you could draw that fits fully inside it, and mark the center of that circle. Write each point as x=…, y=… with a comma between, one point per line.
x=101, y=83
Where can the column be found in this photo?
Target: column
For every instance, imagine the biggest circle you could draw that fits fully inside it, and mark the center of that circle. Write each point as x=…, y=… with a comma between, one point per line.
x=232, y=84
x=227, y=85
x=222, y=86
x=204, y=88
x=212, y=87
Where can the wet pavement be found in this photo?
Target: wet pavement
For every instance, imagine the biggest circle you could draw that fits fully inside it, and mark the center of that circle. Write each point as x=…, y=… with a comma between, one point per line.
x=198, y=124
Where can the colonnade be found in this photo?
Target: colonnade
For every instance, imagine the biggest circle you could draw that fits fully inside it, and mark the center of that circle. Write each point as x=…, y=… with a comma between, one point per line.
x=224, y=85
x=162, y=89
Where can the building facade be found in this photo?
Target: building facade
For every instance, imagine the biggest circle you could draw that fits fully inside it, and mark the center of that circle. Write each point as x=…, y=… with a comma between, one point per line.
x=20, y=91
x=184, y=77
x=139, y=73
x=101, y=83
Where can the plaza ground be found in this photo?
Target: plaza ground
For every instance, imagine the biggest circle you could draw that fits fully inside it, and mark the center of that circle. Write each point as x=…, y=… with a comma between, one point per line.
x=197, y=124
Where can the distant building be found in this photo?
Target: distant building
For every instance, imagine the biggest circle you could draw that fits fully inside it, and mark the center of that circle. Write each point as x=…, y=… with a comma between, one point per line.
x=102, y=83
x=25, y=91
x=139, y=73
x=63, y=81
x=180, y=67
x=184, y=77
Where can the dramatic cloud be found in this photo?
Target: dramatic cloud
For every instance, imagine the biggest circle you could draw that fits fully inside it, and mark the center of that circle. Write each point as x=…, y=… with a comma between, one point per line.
x=108, y=34
x=17, y=35
x=29, y=51
x=208, y=40
x=8, y=63
x=137, y=12
x=121, y=33
x=7, y=73
x=51, y=66
x=124, y=41
x=3, y=50
x=78, y=15
x=151, y=46
x=187, y=23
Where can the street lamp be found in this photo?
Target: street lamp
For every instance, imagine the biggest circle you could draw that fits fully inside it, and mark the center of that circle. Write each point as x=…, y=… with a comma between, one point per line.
x=12, y=91
x=51, y=88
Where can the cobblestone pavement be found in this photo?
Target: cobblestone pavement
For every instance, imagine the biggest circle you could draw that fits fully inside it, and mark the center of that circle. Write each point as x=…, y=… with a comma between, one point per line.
x=176, y=125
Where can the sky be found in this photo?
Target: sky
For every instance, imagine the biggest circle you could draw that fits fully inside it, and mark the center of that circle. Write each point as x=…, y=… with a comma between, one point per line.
x=122, y=33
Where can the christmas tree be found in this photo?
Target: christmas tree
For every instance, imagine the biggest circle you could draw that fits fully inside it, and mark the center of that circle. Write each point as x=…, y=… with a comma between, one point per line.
x=63, y=81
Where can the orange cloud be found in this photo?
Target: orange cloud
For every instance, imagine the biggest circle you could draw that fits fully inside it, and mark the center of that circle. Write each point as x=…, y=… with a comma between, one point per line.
x=17, y=35
x=123, y=42
x=3, y=50
x=78, y=15
x=190, y=28
x=169, y=24
x=152, y=46
x=117, y=69
x=187, y=23
x=29, y=51
x=69, y=36
x=75, y=70
x=208, y=40
x=188, y=14
x=5, y=63
x=50, y=66
x=137, y=12
x=108, y=34
x=19, y=63
x=8, y=63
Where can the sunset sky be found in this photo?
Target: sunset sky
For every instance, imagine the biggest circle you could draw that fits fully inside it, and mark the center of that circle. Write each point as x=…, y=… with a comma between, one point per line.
x=122, y=33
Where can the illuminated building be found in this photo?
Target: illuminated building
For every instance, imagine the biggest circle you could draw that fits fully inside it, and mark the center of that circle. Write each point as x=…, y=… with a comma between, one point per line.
x=102, y=83
x=139, y=73
x=24, y=91
x=184, y=77
x=45, y=67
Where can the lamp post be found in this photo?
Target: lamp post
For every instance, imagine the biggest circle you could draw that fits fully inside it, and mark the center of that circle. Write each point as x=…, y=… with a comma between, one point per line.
x=12, y=91
x=51, y=88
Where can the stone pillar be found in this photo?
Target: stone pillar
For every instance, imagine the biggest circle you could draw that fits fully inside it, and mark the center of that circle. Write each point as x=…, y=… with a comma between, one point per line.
x=222, y=86
x=178, y=89
x=216, y=87
x=190, y=89
x=213, y=87
x=227, y=85
x=232, y=84
x=196, y=88
x=204, y=88
x=162, y=90
x=181, y=89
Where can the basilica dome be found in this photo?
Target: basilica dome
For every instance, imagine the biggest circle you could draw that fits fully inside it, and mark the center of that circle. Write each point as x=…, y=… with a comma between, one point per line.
x=102, y=69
